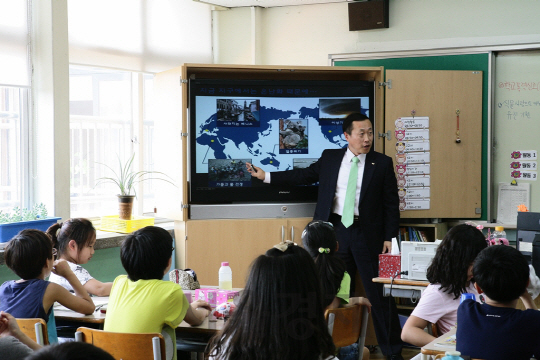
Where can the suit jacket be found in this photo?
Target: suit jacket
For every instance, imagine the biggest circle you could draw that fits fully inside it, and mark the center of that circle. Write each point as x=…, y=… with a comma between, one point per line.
x=378, y=208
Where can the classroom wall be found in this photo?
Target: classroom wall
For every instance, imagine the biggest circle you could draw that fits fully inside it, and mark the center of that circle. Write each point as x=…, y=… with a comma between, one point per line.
x=105, y=266
x=307, y=34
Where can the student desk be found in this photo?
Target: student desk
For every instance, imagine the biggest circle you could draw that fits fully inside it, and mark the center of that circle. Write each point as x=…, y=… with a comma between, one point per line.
x=440, y=345
x=97, y=319
x=62, y=314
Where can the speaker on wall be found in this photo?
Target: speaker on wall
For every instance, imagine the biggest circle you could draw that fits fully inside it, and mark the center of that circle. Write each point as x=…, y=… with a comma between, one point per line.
x=365, y=15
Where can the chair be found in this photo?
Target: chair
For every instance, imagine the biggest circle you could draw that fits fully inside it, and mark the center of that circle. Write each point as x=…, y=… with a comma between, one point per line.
x=125, y=346
x=348, y=325
x=35, y=329
x=433, y=329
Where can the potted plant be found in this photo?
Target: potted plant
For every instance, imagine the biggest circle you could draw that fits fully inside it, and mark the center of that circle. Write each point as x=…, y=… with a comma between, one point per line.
x=19, y=219
x=126, y=179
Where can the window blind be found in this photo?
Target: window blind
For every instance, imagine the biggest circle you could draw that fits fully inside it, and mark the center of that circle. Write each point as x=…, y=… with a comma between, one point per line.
x=14, y=41
x=139, y=35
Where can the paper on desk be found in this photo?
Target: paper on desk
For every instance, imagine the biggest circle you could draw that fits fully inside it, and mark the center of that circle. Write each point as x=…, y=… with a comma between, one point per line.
x=447, y=342
x=98, y=302
x=59, y=307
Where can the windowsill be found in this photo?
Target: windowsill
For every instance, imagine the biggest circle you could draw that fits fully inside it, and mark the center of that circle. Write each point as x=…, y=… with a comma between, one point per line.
x=105, y=239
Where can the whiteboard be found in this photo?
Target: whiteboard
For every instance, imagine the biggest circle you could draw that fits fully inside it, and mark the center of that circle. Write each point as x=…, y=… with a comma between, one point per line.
x=516, y=122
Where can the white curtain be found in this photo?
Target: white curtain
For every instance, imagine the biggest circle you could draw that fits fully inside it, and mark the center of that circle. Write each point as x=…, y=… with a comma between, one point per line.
x=14, y=40
x=139, y=35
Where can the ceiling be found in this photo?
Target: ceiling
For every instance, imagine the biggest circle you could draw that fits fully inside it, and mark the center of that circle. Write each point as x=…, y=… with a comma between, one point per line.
x=265, y=3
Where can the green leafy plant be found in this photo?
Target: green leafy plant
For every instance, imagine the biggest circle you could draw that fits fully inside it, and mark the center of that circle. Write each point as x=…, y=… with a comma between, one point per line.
x=38, y=212
x=126, y=178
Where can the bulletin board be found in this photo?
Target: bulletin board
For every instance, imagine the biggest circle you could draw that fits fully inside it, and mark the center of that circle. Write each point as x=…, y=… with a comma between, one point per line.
x=473, y=62
x=516, y=122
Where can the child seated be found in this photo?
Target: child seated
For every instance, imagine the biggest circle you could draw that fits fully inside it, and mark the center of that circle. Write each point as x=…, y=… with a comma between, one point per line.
x=320, y=241
x=75, y=239
x=497, y=330
x=142, y=302
x=449, y=274
x=280, y=314
x=14, y=344
x=30, y=255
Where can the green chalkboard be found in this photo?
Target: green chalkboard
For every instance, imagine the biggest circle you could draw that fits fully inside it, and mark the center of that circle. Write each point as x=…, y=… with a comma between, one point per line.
x=472, y=62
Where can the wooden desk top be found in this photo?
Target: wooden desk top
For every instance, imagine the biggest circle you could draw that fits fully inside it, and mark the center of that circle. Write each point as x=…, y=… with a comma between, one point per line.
x=207, y=327
x=435, y=347
x=401, y=281
x=61, y=313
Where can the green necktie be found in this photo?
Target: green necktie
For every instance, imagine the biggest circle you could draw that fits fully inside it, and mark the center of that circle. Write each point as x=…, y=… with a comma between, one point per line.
x=347, y=217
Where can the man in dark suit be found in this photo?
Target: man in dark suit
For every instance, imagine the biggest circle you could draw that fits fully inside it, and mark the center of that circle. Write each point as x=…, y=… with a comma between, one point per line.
x=376, y=215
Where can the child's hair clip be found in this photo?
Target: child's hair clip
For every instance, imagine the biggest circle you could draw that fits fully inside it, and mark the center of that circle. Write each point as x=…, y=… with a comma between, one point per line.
x=472, y=223
x=324, y=250
x=283, y=246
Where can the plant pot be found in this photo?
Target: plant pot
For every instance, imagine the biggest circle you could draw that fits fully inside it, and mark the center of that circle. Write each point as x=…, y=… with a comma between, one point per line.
x=9, y=230
x=125, y=206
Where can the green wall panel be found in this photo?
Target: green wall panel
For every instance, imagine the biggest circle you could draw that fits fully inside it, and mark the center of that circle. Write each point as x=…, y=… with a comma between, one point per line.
x=104, y=266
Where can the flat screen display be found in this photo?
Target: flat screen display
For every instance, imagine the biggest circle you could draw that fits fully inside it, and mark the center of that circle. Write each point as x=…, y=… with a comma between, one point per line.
x=276, y=125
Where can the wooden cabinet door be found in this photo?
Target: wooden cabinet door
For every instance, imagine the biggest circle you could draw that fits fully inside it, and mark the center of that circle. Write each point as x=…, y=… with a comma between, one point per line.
x=209, y=242
x=455, y=173
x=295, y=228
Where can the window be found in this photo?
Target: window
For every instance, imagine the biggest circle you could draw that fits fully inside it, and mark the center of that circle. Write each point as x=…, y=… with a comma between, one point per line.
x=14, y=104
x=109, y=115
x=13, y=140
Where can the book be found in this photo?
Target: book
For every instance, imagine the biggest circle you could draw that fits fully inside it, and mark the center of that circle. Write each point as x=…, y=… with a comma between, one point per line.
x=411, y=235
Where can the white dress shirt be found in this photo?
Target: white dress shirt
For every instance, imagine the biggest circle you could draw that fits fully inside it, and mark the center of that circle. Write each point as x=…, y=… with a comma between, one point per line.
x=343, y=179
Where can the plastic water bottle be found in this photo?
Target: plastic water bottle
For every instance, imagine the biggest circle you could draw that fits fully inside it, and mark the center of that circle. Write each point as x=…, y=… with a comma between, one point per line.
x=498, y=237
x=452, y=355
x=225, y=276
x=466, y=296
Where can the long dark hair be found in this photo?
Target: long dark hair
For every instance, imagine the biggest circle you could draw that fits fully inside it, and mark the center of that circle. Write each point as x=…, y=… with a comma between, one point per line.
x=78, y=229
x=319, y=239
x=454, y=256
x=280, y=314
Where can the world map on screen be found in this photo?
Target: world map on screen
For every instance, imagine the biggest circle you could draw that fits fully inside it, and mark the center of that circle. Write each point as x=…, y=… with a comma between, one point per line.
x=258, y=140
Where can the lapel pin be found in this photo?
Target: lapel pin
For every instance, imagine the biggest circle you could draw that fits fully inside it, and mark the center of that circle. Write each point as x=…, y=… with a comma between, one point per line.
x=372, y=163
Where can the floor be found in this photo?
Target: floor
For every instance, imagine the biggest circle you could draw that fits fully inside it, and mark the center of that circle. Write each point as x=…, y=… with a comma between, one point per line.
x=407, y=353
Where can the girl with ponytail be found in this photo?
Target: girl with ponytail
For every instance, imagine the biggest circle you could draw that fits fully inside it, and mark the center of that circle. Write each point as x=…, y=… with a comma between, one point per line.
x=75, y=239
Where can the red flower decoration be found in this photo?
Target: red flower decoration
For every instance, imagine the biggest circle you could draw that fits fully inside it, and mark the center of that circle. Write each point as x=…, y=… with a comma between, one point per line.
x=516, y=155
x=516, y=174
x=515, y=165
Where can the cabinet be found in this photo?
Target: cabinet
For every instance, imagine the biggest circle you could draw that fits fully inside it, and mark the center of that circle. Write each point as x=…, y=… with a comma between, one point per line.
x=209, y=242
x=435, y=231
x=455, y=167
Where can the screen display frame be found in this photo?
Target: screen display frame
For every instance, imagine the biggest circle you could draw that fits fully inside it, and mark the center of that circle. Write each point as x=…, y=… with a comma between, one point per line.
x=257, y=192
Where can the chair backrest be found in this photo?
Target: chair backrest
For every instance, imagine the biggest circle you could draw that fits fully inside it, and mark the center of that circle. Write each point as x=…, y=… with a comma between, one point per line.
x=125, y=346
x=35, y=329
x=348, y=325
x=433, y=329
